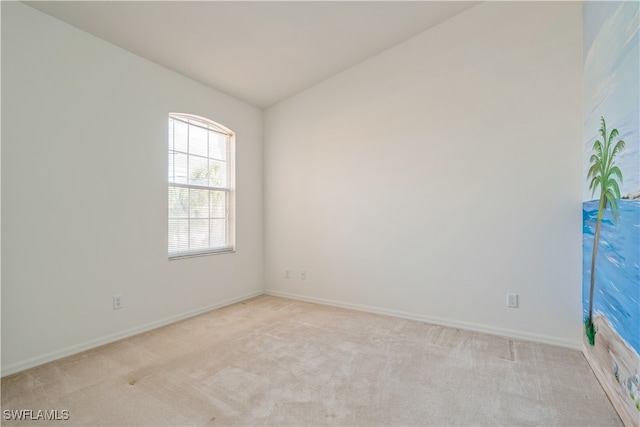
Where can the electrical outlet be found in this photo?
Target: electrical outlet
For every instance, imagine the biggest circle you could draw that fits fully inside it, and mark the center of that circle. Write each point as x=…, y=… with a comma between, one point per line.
x=512, y=300
x=117, y=302
x=287, y=274
x=303, y=275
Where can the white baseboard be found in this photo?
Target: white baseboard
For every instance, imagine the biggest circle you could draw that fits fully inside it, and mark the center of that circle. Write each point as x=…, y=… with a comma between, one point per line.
x=503, y=332
x=88, y=345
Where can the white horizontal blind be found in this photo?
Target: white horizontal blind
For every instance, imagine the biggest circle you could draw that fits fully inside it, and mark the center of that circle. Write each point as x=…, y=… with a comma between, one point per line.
x=200, y=185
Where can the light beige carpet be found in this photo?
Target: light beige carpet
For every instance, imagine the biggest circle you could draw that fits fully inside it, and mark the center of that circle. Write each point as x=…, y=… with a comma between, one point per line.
x=274, y=361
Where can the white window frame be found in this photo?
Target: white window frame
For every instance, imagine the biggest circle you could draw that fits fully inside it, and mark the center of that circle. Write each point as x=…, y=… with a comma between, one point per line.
x=180, y=251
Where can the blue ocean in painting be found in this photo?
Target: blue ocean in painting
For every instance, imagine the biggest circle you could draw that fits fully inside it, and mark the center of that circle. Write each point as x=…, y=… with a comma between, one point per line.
x=617, y=287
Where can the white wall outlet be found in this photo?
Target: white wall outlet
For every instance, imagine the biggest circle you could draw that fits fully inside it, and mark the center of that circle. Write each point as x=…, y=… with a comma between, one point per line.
x=512, y=300
x=287, y=274
x=303, y=275
x=117, y=302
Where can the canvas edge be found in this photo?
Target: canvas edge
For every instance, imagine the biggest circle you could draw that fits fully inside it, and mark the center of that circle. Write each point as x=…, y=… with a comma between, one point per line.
x=615, y=402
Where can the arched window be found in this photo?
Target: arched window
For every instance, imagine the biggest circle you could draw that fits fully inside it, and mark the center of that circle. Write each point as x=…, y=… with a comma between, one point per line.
x=201, y=178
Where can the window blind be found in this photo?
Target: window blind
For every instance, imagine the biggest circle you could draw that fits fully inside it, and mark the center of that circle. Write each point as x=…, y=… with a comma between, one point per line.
x=200, y=187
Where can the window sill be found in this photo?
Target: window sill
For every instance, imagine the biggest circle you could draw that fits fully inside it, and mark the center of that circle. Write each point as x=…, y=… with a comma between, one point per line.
x=203, y=253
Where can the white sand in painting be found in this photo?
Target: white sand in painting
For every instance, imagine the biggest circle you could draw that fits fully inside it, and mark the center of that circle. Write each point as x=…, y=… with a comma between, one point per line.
x=608, y=352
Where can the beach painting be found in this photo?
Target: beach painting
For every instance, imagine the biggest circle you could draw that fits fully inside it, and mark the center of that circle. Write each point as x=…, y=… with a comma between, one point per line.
x=611, y=201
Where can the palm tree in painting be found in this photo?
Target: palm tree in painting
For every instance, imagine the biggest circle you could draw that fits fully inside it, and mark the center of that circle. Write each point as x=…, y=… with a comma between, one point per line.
x=606, y=176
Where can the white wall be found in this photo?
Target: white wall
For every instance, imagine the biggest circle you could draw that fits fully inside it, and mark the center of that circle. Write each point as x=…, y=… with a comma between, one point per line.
x=434, y=178
x=426, y=182
x=84, y=131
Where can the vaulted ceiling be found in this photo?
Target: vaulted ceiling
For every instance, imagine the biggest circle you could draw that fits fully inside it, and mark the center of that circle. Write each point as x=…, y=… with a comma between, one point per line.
x=260, y=52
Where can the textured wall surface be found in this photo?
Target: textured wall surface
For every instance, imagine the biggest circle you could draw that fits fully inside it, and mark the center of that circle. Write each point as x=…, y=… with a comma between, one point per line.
x=436, y=177
x=84, y=192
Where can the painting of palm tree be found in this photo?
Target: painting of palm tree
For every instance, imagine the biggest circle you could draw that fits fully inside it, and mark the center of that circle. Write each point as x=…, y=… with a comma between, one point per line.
x=606, y=176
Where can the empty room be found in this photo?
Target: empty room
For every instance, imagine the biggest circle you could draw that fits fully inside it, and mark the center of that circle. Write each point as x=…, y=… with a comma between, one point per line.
x=343, y=213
